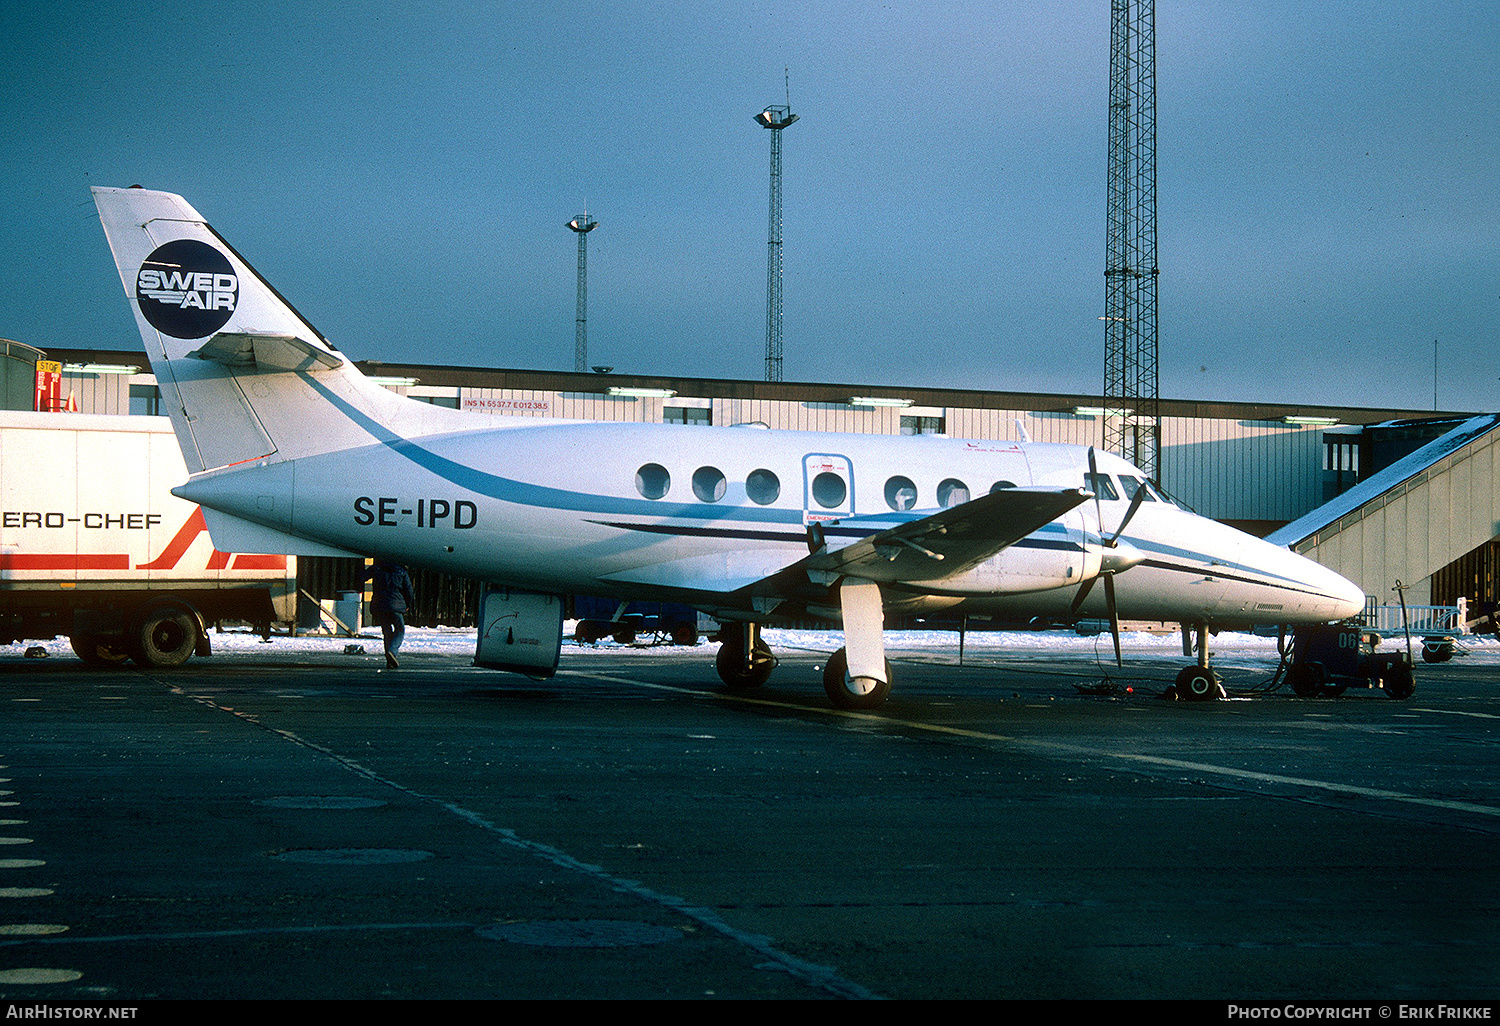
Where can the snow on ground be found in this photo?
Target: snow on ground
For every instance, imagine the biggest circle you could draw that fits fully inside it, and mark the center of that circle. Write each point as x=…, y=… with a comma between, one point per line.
x=458, y=644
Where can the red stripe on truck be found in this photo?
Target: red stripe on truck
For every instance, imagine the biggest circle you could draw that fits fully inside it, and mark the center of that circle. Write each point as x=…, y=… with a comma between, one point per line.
x=63, y=561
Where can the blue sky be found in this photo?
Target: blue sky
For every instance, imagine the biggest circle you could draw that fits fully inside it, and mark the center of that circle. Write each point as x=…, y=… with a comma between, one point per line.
x=1329, y=184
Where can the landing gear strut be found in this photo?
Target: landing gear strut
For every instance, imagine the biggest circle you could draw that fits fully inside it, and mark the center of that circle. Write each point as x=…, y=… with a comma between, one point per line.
x=744, y=660
x=1198, y=683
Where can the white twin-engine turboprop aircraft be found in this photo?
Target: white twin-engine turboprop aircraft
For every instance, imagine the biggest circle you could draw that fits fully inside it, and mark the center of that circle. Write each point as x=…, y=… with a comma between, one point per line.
x=292, y=450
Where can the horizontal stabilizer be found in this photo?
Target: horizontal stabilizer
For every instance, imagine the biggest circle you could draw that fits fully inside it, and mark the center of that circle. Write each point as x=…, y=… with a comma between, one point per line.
x=948, y=542
x=232, y=534
x=266, y=352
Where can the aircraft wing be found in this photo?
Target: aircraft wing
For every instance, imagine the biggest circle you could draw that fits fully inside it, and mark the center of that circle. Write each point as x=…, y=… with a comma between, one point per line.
x=948, y=542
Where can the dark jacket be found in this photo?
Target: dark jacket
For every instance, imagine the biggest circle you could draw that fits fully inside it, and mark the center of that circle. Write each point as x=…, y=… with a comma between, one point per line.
x=392, y=590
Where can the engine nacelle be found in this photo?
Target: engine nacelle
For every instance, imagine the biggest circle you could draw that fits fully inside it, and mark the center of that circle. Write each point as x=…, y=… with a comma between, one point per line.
x=1031, y=565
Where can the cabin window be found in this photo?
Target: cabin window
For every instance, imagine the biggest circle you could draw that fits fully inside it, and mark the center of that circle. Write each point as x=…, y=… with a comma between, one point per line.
x=652, y=480
x=708, y=484
x=763, y=487
x=900, y=493
x=952, y=492
x=828, y=490
x=1101, y=485
x=1000, y=486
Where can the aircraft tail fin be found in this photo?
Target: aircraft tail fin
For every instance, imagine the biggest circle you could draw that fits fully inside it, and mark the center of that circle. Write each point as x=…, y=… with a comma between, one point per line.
x=243, y=376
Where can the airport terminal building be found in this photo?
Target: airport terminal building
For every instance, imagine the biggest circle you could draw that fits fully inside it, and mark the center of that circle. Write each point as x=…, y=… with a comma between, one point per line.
x=1378, y=495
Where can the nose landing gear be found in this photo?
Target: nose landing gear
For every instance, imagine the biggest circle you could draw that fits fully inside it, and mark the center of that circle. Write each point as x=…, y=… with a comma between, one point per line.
x=1198, y=683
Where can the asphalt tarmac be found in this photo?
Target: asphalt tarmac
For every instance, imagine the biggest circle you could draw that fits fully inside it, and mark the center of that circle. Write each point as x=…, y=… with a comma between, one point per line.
x=268, y=824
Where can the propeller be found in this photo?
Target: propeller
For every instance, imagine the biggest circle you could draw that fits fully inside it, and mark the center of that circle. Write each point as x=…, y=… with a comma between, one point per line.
x=1114, y=559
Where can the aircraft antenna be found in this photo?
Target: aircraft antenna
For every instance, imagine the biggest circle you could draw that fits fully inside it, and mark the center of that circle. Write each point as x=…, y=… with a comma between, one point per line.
x=775, y=118
x=582, y=225
x=1131, y=381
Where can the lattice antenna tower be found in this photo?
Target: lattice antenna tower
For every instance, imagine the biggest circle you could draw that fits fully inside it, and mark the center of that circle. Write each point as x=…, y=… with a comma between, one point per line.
x=776, y=119
x=582, y=225
x=1131, y=381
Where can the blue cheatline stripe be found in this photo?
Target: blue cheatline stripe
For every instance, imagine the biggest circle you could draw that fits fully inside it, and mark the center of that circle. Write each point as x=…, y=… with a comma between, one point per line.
x=521, y=493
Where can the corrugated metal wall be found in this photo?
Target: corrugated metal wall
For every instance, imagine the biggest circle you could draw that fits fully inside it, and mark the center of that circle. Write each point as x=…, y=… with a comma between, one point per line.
x=1224, y=466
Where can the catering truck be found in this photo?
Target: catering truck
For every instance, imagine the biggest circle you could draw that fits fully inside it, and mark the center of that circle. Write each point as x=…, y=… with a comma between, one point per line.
x=94, y=545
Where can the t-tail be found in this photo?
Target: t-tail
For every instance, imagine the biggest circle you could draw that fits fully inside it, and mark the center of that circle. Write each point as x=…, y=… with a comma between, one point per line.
x=243, y=376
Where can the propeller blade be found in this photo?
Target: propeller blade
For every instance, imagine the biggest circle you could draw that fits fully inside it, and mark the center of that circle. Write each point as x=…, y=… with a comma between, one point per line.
x=1094, y=487
x=1114, y=617
x=1135, y=504
x=1083, y=593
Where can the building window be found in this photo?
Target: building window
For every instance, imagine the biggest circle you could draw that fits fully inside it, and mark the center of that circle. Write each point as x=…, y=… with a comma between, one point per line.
x=687, y=415
x=145, y=401
x=1340, y=464
x=450, y=401
x=923, y=426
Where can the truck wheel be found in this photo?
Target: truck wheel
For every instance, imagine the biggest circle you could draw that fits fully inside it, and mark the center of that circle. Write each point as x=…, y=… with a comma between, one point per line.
x=1306, y=678
x=166, y=637
x=1399, y=681
x=96, y=651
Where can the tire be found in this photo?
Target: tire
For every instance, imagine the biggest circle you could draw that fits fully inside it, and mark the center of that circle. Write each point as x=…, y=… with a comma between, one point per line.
x=1437, y=652
x=1306, y=678
x=730, y=662
x=685, y=634
x=1399, y=682
x=1195, y=684
x=166, y=637
x=845, y=693
x=96, y=651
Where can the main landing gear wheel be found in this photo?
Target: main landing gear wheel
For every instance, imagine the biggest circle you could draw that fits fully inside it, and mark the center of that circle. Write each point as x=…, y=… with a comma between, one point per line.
x=738, y=673
x=1198, y=684
x=853, y=692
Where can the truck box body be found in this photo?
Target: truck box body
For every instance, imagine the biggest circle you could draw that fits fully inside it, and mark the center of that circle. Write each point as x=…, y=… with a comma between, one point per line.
x=91, y=534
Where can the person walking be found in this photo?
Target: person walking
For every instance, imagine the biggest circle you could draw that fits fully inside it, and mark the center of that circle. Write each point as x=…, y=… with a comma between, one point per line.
x=390, y=599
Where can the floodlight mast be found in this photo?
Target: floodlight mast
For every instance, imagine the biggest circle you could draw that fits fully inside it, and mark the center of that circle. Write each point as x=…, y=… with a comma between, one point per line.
x=582, y=225
x=1131, y=381
x=774, y=118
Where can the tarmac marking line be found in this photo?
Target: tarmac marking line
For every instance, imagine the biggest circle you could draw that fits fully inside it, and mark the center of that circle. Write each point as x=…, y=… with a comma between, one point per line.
x=1067, y=749
x=822, y=977
x=1458, y=712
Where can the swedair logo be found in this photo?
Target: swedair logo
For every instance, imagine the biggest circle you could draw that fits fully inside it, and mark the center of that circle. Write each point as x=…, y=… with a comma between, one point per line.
x=187, y=289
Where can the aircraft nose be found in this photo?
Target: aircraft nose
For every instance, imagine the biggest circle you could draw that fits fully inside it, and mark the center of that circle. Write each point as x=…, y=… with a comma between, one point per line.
x=1348, y=598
